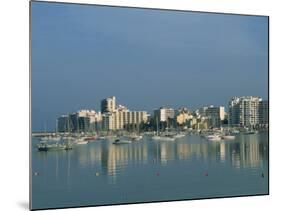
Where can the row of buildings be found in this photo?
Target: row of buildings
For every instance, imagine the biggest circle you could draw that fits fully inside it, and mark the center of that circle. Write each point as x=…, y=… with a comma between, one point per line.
x=110, y=118
x=246, y=111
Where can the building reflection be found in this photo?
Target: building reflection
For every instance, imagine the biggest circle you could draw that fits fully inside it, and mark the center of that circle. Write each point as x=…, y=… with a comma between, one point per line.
x=247, y=151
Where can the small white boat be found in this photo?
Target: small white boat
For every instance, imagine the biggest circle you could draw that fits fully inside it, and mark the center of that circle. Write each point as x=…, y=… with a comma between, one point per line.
x=121, y=141
x=81, y=141
x=44, y=138
x=214, y=138
x=250, y=132
x=155, y=137
x=228, y=137
x=179, y=135
x=51, y=138
x=163, y=138
x=235, y=132
x=167, y=138
x=211, y=136
x=136, y=137
x=68, y=138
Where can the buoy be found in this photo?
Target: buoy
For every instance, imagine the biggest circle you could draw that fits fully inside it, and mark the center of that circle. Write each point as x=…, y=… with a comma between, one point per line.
x=97, y=174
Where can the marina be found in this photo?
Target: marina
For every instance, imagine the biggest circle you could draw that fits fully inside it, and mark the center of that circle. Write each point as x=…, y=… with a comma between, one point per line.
x=102, y=172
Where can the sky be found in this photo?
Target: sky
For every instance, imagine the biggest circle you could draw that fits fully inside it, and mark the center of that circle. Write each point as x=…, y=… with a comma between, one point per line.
x=146, y=58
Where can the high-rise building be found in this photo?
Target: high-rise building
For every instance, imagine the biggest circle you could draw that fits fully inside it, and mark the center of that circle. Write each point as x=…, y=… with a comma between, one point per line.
x=121, y=120
x=108, y=104
x=80, y=121
x=263, y=113
x=215, y=115
x=63, y=124
x=201, y=112
x=244, y=111
x=164, y=114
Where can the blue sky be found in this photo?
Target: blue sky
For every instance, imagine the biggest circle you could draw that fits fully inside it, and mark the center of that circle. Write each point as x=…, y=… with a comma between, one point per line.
x=146, y=58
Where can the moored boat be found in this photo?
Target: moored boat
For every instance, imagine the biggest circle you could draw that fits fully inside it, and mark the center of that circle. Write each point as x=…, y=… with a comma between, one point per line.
x=179, y=135
x=214, y=138
x=81, y=141
x=122, y=141
x=228, y=137
x=57, y=146
x=90, y=138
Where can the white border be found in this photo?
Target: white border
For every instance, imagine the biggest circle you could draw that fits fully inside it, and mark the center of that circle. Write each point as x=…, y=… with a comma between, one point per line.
x=14, y=39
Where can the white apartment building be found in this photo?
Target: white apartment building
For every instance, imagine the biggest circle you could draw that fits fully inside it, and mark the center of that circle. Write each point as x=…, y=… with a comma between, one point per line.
x=244, y=111
x=163, y=114
x=119, y=120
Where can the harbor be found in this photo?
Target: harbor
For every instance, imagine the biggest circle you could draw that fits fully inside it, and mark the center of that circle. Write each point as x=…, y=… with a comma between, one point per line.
x=117, y=155
x=191, y=166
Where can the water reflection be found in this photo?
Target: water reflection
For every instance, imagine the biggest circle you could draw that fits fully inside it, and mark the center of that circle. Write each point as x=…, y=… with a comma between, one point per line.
x=247, y=151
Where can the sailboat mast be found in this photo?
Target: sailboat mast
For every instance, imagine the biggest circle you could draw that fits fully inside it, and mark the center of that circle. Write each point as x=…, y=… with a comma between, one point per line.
x=157, y=129
x=77, y=123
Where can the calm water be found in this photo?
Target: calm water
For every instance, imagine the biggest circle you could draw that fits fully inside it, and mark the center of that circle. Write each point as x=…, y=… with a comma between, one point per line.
x=103, y=173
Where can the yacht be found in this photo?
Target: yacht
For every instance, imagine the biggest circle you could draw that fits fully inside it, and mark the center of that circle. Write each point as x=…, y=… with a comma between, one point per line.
x=81, y=141
x=57, y=146
x=179, y=135
x=213, y=138
x=228, y=137
x=122, y=141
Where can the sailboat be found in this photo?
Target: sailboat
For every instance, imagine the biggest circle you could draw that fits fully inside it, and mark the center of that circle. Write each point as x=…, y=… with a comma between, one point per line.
x=156, y=137
x=51, y=137
x=80, y=140
x=163, y=137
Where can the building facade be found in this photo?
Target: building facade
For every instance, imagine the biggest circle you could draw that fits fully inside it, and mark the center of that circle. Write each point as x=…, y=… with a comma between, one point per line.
x=124, y=120
x=80, y=121
x=164, y=114
x=244, y=111
x=263, y=113
x=183, y=115
x=215, y=115
x=63, y=124
x=108, y=104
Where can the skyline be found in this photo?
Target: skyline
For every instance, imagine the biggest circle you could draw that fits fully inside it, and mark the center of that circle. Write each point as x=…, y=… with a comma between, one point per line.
x=150, y=53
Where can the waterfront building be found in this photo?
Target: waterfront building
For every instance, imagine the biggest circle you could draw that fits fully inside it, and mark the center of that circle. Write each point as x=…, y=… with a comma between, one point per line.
x=215, y=116
x=95, y=119
x=201, y=124
x=183, y=115
x=121, y=120
x=83, y=124
x=63, y=124
x=163, y=114
x=263, y=113
x=201, y=112
x=107, y=122
x=120, y=117
x=108, y=104
x=192, y=122
x=244, y=111
x=80, y=121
